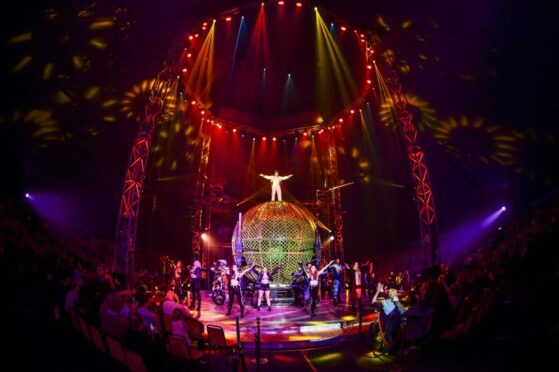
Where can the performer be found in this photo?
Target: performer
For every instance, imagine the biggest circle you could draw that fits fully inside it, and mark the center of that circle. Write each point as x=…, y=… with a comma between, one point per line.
x=337, y=273
x=275, y=180
x=313, y=275
x=235, y=288
x=264, y=279
x=177, y=281
x=195, y=284
x=369, y=279
x=356, y=283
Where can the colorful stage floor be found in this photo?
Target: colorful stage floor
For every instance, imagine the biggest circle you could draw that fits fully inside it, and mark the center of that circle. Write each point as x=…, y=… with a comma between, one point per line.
x=286, y=327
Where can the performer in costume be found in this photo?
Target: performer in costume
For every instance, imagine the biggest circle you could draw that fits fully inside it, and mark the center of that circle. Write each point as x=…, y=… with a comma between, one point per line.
x=195, y=285
x=264, y=279
x=235, y=288
x=276, y=180
x=337, y=273
x=313, y=275
x=178, y=282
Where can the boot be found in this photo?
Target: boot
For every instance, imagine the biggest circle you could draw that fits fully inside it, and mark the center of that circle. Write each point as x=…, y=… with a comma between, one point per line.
x=269, y=307
x=242, y=311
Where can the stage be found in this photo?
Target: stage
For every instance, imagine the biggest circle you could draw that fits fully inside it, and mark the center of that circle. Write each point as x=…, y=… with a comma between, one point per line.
x=286, y=327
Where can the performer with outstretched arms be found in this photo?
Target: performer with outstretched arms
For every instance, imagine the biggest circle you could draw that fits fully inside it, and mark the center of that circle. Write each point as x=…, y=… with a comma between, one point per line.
x=195, y=284
x=264, y=279
x=235, y=288
x=276, y=180
x=313, y=275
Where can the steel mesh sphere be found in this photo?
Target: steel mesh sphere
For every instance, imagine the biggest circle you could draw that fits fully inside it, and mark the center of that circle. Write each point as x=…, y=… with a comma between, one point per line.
x=277, y=233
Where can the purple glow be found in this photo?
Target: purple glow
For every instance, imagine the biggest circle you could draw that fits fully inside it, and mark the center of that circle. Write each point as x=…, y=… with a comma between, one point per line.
x=27, y=195
x=493, y=217
x=467, y=236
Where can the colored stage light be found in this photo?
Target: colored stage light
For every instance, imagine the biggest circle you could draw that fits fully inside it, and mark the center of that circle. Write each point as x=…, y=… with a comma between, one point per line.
x=273, y=139
x=343, y=28
x=331, y=237
x=184, y=70
x=191, y=37
x=196, y=35
x=262, y=4
x=263, y=138
x=234, y=130
x=204, y=236
x=299, y=5
x=203, y=112
x=27, y=195
x=228, y=19
x=316, y=9
x=305, y=134
x=189, y=55
x=503, y=208
x=341, y=120
x=281, y=2
x=369, y=82
x=369, y=67
x=352, y=111
x=193, y=102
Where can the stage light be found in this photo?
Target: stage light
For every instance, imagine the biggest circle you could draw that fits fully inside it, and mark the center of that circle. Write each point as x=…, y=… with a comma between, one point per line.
x=305, y=134
x=189, y=55
x=341, y=120
x=203, y=112
x=214, y=21
x=274, y=139
x=196, y=35
x=262, y=4
x=204, y=236
x=369, y=82
x=299, y=5
x=184, y=70
x=263, y=138
x=228, y=19
x=352, y=111
x=503, y=208
x=369, y=67
x=331, y=237
x=205, y=24
x=254, y=138
x=343, y=28
x=193, y=102
x=190, y=37
x=234, y=130
x=27, y=195
x=281, y=2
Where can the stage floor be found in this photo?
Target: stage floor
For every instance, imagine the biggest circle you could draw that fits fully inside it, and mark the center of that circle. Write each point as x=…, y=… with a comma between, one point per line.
x=286, y=327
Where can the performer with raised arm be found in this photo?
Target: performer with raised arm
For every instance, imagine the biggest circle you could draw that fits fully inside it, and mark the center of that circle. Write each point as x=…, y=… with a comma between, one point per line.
x=276, y=180
x=195, y=285
x=313, y=275
x=264, y=279
x=235, y=288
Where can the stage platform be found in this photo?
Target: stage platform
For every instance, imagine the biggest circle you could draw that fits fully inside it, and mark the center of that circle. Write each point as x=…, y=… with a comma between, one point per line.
x=286, y=327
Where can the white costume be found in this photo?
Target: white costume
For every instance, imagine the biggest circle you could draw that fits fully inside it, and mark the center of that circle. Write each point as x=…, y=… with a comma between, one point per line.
x=275, y=180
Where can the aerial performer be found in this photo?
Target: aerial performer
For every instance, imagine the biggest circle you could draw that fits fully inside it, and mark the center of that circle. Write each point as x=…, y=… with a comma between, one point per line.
x=276, y=180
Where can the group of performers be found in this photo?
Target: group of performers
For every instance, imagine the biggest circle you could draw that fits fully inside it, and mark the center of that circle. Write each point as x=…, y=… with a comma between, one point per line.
x=308, y=281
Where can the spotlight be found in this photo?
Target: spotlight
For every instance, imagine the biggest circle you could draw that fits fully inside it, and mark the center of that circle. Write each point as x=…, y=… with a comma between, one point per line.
x=27, y=196
x=204, y=236
x=189, y=55
x=193, y=102
x=341, y=120
x=262, y=4
x=254, y=138
x=203, y=112
x=190, y=37
x=369, y=67
x=343, y=28
x=503, y=208
x=263, y=138
x=274, y=139
x=184, y=69
x=299, y=5
x=234, y=130
x=352, y=111
x=369, y=82
x=228, y=19
x=316, y=9
x=331, y=237
x=281, y=2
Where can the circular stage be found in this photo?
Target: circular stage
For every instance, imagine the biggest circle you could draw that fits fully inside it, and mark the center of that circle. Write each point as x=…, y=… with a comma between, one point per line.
x=286, y=327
